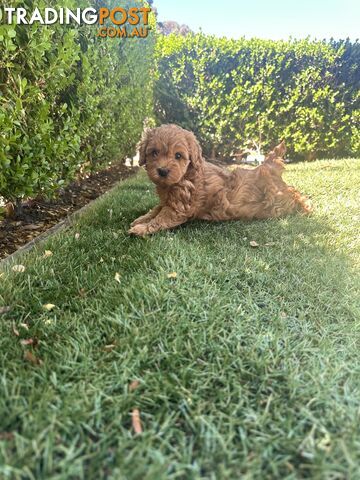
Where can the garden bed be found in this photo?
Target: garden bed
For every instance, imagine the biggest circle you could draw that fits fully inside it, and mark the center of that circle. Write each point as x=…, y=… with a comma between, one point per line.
x=39, y=215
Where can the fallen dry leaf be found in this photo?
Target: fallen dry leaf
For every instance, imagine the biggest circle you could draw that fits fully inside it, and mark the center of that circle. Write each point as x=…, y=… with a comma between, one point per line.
x=18, y=268
x=109, y=347
x=27, y=341
x=49, y=306
x=33, y=226
x=253, y=243
x=15, y=330
x=136, y=422
x=4, y=310
x=24, y=325
x=31, y=358
x=117, y=277
x=172, y=275
x=270, y=244
x=47, y=253
x=134, y=385
x=77, y=236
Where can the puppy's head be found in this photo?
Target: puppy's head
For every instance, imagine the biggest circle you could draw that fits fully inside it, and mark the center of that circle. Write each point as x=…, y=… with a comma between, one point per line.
x=169, y=153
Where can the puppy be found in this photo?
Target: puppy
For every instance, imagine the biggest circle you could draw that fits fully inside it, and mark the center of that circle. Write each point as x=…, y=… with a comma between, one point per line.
x=189, y=187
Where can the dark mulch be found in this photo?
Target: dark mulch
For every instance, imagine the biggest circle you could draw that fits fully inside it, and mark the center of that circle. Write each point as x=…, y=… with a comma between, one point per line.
x=39, y=215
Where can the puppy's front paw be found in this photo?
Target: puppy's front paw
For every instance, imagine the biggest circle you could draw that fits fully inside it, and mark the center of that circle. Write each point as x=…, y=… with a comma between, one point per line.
x=139, y=229
x=135, y=222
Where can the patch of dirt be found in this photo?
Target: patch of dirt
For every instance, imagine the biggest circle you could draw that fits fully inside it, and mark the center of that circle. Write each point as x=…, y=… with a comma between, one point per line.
x=39, y=215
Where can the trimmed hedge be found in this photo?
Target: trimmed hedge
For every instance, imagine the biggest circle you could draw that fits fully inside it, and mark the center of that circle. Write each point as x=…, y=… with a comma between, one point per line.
x=230, y=92
x=69, y=101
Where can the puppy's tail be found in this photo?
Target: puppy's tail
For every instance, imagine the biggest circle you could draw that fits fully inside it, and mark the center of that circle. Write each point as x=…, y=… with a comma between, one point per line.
x=278, y=152
x=289, y=200
x=275, y=159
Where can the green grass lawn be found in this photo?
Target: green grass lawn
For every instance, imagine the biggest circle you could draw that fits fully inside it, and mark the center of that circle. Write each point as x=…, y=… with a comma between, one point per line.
x=248, y=360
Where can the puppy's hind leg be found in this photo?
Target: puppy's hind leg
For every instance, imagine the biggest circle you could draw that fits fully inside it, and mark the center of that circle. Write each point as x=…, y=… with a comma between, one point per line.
x=285, y=201
x=301, y=202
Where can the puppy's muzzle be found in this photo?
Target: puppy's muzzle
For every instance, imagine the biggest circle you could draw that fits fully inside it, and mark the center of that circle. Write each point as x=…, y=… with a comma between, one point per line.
x=163, y=172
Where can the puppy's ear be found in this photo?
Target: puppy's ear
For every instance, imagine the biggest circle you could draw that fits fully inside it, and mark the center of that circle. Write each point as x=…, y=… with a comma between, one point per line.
x=195, y=151
x=145, y=137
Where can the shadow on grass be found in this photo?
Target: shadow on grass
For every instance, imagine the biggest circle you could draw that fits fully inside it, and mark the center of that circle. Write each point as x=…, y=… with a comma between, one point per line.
x=294, y=263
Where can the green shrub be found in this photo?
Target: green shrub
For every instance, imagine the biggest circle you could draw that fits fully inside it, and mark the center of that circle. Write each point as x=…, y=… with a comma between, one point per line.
x=69, y=100
x=230, y=92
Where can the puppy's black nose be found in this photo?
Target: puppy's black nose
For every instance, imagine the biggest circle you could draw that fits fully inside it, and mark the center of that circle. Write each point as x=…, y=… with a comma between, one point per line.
x=163, y=172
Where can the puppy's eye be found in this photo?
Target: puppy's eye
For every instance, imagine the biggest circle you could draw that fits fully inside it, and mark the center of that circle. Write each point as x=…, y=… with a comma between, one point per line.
x=178, y=156
x=154, y=153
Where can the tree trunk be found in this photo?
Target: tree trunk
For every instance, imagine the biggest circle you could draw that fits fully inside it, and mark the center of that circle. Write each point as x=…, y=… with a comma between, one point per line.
x=18, y=207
